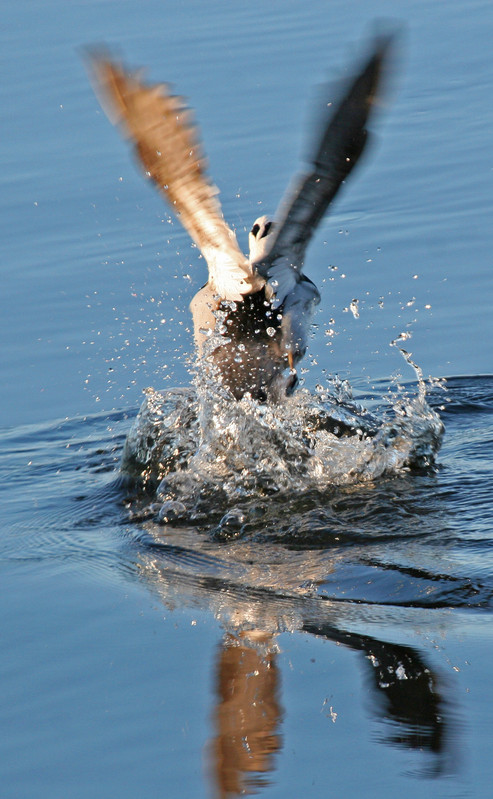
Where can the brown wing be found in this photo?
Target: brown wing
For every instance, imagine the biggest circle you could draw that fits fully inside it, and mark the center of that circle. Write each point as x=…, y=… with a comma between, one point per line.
x=167, y=144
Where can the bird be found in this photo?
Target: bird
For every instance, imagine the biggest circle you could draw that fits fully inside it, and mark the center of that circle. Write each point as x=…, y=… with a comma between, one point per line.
x=253, y=316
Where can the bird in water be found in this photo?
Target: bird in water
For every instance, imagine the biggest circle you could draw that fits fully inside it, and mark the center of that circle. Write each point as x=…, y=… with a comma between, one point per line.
x=252, y=318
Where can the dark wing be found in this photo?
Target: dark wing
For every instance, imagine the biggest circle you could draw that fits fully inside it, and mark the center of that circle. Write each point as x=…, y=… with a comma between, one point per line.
x=342, y=142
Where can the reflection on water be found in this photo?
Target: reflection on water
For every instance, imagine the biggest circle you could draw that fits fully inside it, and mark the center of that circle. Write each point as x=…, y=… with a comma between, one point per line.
x=247, y=714
x=408, y=697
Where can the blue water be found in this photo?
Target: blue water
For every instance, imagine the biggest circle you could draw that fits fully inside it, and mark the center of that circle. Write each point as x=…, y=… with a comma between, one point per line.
x=335, y=642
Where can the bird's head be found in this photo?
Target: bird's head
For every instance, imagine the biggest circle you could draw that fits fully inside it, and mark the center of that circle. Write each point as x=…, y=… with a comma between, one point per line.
x=260, y=238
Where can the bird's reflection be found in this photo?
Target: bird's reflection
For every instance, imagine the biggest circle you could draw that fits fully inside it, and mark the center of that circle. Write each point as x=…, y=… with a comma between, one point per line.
x=407, y=697
x=247, y=714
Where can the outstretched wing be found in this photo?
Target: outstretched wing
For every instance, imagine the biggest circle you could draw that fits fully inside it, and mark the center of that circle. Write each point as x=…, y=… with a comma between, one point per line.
x=341, y=144
x=167, y=144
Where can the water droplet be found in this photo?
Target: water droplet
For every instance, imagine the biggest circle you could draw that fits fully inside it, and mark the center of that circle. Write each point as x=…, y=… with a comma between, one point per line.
x=405, y=336
x=171, y=510
x=271, y=331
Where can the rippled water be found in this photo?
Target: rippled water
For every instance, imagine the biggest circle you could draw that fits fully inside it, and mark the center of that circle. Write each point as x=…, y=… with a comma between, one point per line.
x=206, y=598
x=376, y=565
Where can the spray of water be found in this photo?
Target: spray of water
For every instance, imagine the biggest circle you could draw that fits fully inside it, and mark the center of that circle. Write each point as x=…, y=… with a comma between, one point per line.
x=195, y=449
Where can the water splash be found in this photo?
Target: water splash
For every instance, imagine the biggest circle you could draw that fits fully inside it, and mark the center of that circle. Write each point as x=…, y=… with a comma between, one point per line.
x=198, y=453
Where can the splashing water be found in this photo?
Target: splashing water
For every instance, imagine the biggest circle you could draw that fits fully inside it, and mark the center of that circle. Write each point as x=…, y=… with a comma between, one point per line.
x=196, y=452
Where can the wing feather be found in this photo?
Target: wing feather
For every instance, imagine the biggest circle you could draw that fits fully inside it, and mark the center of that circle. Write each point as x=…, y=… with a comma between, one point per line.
x=341, y=143
x=167, y=144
